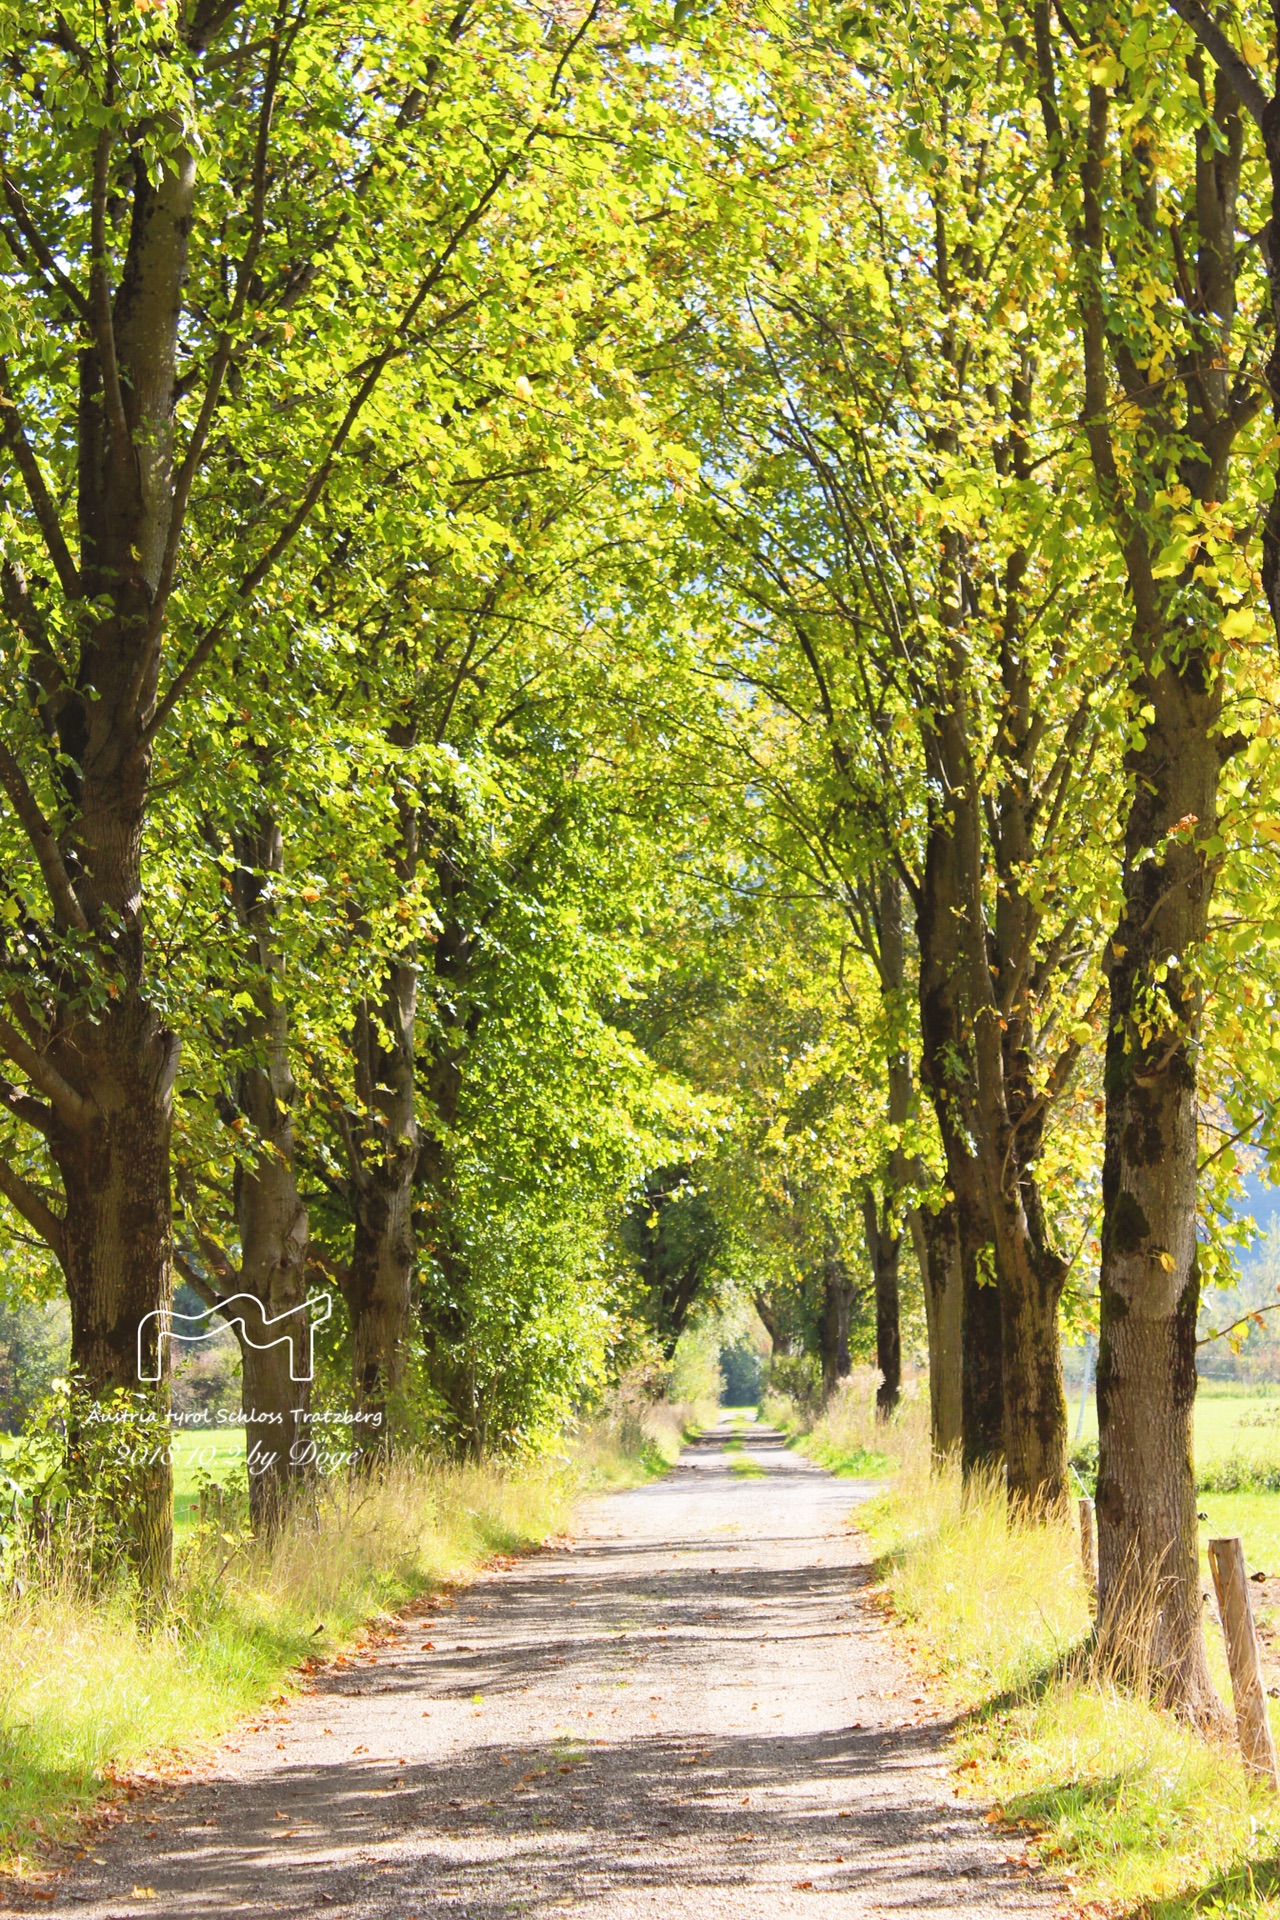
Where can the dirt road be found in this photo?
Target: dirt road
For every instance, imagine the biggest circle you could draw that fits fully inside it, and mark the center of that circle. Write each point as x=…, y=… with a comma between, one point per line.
x=689, y=1715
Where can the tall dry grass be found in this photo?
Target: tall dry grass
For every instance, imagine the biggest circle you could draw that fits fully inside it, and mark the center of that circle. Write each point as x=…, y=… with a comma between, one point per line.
x=847, y=1435
x=635, y=1436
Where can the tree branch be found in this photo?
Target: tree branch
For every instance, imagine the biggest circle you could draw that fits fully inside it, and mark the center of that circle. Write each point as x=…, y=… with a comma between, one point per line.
x=40, y=249
x=185, y=476
x=1254, y=1315
x=23, y=1107
x=195, y=1279
x=42, y=502
x=1230, y=63
x=100, y=294
x=72, y=1107
x=395, y=346
x=26, y=1201
x=66, y=907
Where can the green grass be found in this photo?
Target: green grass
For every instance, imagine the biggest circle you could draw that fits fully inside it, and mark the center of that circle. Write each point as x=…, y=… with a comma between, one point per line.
x=1231, y=1422
x=1237, y=1440
x=846, y=1438
x=218, y=1455
x=848, y=1463
x=744, y=1468
x=1144, y=1819
x=88, y=1694
x=637, y=1440
x=1143, y=1815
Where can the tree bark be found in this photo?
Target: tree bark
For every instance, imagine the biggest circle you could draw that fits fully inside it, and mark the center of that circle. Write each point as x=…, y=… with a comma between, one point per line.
x=883, y=1246
x=1148, y=1561
x=779, y=1338
x=982, y=1380
x=270, y=1213
x=937, y=1242
x=838, y=1295
x=111, y=1122
x=445, y=1309
x=1035, y=1408
x=882, y=1220
x=995, y=1092
x=117, y=1253
x=1149, y=1613
x=962, y=1229
x=380, y=1278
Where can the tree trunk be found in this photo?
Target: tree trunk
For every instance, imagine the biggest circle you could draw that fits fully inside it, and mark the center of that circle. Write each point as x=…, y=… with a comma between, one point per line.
x=379, y=1289
x=937, y=1243
x=275, y=1379
x=838, y=1293
x=994, y=1094
x=445, y=1307
x=279, y=1443
x=116, y=1246
x=1030, y=1281
x=883, y=1247
x=380, y=1278
x=962, y=1229
x=982, y=1379
x=112, y=1106
x=270, y=1214
x=883, y=1224
x=779, y=1338
x=1148, y=1561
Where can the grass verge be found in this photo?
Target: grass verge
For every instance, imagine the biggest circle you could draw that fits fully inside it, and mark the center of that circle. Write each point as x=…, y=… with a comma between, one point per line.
x=1139, y=1814
x=90, y=1699
x=845, y=1437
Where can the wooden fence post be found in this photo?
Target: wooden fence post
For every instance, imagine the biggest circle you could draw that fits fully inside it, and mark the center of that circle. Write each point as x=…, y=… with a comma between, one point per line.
x=1226, y=1557
x=1088, y=1547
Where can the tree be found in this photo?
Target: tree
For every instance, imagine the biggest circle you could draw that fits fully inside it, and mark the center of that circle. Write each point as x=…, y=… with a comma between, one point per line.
x=1169, y=389
x=883, y=522
x=204, y=294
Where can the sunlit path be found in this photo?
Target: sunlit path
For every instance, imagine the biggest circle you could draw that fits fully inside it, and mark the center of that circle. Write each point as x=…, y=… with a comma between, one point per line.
x=688, y=1713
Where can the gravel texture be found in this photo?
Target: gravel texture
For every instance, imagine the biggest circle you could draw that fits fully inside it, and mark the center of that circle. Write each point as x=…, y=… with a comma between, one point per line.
x=691, y=1713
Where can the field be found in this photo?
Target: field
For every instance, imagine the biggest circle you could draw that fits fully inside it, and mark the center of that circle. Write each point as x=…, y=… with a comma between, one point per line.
x=1237, y=1450
x=200, y=1457
x=1229, y=1419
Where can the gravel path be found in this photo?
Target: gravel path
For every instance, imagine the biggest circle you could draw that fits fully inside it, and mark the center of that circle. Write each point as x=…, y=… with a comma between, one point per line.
x=690, y=1714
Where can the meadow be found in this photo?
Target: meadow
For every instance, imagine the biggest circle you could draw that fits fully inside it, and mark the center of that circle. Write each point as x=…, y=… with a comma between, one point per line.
x=1237, y=1453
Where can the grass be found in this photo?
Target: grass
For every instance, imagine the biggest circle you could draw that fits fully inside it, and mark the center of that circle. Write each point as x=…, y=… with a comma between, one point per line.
x=1141, y=1815
x=197, y=1457
x=740, y=1466
x=1237, y=1437
x=636, y=1439
x=90, y=1697
x=846, y=1437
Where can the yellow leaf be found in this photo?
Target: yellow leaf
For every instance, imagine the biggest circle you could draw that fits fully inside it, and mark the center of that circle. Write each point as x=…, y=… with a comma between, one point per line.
x=1237, y=623
x=1166, y=1259
x=1268, y=829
